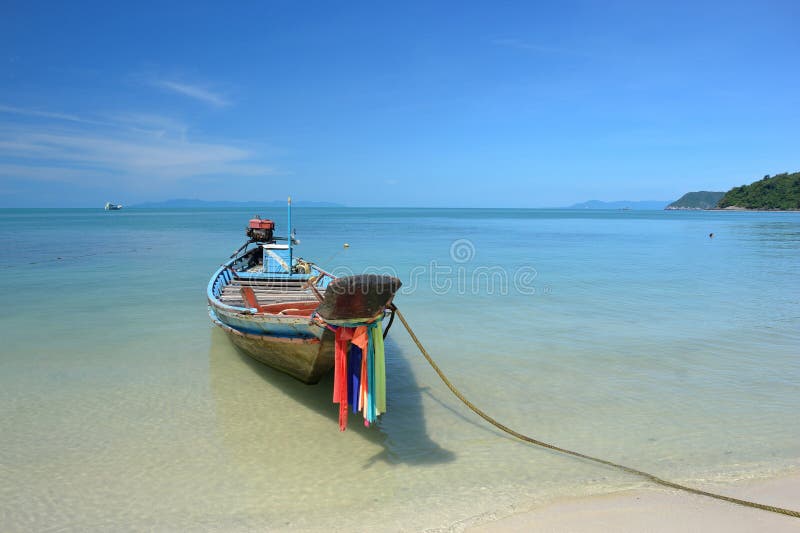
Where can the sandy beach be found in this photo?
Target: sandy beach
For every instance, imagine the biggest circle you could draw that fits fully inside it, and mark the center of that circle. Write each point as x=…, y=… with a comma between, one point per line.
x=659, y=510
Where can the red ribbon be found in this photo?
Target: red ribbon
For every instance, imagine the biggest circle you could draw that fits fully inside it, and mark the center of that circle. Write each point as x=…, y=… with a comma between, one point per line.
x=343, y=336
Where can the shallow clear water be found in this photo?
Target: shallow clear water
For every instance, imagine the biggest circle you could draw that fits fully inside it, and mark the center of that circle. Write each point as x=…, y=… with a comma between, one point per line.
x=629, y=335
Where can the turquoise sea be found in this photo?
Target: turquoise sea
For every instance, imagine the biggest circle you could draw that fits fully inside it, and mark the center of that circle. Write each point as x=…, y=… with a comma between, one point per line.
x=630, y=335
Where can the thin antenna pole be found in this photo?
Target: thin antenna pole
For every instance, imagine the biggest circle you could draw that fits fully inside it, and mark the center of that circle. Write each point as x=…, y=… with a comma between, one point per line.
x=289, y=229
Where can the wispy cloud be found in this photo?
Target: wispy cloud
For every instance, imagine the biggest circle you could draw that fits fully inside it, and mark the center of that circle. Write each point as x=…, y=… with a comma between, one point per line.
x=130, y=146
x=135, y=121
x=158, y=125
x=193, y=91
x=47, y=114
x=51, y=173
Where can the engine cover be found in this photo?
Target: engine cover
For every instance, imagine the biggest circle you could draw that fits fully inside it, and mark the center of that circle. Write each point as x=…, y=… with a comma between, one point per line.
x=260, y=229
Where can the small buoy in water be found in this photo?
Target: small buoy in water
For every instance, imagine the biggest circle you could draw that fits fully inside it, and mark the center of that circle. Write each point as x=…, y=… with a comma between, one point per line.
x=346, y=245
x=710, y=235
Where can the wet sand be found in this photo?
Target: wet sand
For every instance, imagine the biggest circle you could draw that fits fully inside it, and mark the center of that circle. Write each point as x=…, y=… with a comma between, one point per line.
x=660, y=510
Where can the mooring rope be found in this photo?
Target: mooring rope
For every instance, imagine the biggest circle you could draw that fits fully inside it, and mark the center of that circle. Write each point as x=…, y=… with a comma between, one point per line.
x=531, y=440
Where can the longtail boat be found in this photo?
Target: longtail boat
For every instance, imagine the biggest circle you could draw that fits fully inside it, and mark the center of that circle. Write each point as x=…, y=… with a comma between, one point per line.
x=282, y=310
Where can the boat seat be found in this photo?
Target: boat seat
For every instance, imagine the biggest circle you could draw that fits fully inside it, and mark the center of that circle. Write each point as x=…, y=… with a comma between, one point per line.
x=291, y=308
x=249, y=297
x=283, y=308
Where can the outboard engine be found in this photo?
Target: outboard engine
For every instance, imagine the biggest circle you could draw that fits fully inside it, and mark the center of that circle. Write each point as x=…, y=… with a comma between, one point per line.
x=260, y=229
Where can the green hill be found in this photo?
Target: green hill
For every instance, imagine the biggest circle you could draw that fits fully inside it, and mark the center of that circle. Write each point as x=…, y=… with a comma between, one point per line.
x=697, y=200
x=779, y=192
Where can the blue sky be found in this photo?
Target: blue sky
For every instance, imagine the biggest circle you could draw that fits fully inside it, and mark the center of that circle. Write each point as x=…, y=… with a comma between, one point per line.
x=513, y=104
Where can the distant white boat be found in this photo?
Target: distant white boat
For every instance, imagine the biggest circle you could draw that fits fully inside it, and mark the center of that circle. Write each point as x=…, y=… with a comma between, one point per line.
x=113, y=207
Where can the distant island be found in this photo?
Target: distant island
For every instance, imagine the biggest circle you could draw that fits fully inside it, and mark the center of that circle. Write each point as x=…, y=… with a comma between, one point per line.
x=697, y=200
x=621, y=204
x=777, y=193
x=192, y=203
x=780, y=192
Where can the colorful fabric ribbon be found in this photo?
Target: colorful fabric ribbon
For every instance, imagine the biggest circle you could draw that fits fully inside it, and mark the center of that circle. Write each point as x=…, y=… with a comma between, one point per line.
x=359, y=379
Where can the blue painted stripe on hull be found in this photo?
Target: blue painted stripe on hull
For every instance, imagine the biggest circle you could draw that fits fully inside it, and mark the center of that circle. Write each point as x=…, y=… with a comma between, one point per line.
x=275, y=338
x=270, y=325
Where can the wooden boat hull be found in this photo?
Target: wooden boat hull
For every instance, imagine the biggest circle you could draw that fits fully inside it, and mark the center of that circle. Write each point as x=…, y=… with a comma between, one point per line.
x=269, y=316
x=304, y=358
x=292, y=344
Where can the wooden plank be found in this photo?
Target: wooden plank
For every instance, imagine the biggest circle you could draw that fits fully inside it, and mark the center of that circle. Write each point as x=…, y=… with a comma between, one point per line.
x=268, y=294
x=268, y=286
x=271, y=293
x=274, y=284
x=268, y=280
x=272, y=287
x=295, y=294
x=240, y=303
